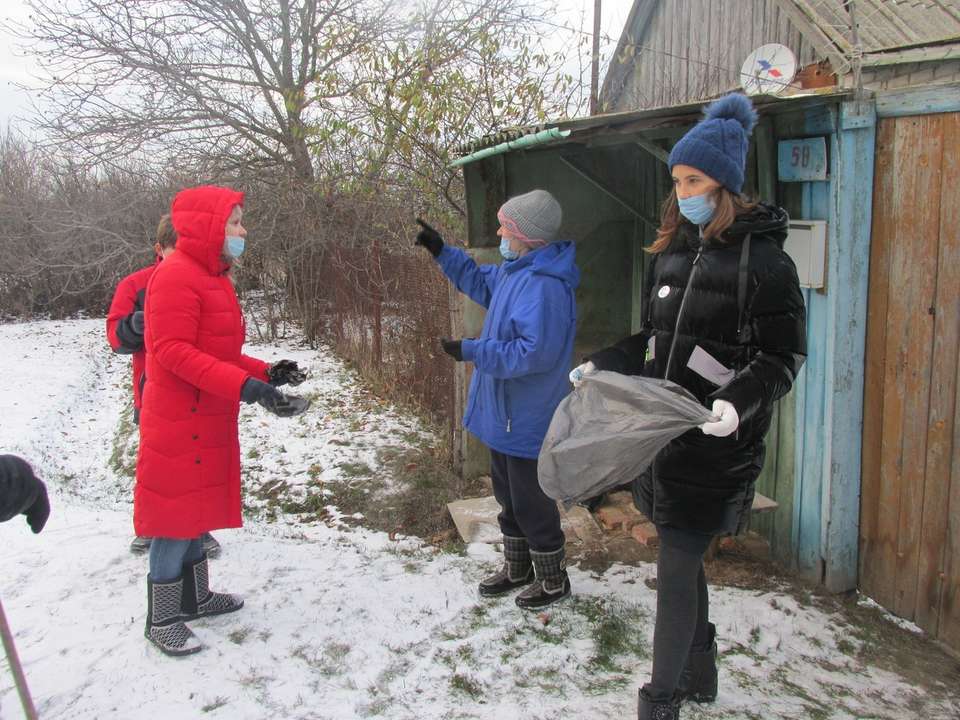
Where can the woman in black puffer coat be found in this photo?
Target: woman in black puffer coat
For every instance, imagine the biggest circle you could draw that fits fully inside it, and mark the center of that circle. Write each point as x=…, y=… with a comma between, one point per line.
x=724, y=318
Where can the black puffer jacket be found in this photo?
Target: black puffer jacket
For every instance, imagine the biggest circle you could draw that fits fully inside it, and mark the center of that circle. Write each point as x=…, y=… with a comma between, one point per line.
x=749, y=358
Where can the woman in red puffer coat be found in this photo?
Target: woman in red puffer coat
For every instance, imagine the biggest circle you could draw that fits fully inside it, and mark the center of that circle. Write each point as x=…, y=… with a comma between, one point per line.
x=188, y=466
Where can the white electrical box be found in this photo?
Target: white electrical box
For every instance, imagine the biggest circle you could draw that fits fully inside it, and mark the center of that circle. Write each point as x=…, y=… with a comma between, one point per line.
x=807, y=245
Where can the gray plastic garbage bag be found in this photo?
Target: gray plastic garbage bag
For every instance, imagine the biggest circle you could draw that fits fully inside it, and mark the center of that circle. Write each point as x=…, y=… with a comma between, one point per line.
x=609, y=430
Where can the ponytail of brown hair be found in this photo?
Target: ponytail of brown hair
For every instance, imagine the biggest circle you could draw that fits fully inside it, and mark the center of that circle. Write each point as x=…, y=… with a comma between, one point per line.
x=729, y=207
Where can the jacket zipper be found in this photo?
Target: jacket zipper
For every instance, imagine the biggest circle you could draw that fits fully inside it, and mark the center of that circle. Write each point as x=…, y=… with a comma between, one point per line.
x=683, y=304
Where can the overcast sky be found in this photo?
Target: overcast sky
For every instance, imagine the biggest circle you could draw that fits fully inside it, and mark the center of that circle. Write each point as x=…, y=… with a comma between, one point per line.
x=15, y=103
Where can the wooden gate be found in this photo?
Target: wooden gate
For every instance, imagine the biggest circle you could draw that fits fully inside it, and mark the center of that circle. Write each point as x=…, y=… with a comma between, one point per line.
x=910, y=502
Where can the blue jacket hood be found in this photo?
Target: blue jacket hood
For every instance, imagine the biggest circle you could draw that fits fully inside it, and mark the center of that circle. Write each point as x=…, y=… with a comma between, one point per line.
x=558, y=259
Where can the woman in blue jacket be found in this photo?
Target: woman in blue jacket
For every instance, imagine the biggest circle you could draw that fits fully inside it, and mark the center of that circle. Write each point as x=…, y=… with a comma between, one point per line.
x=520, y=375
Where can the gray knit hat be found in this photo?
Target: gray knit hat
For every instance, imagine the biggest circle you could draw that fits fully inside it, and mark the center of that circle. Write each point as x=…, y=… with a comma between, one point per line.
x=533, y=216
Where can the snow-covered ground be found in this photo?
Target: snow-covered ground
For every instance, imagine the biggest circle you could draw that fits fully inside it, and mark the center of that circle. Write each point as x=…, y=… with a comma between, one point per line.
x=340, y=621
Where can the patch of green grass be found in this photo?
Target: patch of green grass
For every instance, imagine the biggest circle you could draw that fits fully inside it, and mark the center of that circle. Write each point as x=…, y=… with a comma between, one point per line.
x=616, y=628
x=311, y=504
x=616, y=633
x=123, y=452
x=328, y=661
x=253, y=454
x=462, y=683
x=239, y=635
x=813, y=708
x=355, y=469
x=846, y=647
x=215, y=704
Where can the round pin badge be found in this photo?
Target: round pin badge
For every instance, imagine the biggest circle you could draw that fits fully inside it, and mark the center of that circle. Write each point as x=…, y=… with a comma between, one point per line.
x=664, y=291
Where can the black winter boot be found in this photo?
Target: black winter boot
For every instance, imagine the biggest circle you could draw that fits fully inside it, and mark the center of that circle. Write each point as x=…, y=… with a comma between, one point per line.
x=165, y=627
x=551, y=582
x=698, y=681
x=517, y=569
x=197, y=600
x=210, y=545
x=649, y=709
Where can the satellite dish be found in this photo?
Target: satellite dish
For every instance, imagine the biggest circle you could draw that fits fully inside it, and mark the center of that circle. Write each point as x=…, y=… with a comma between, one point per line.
x=768, y=70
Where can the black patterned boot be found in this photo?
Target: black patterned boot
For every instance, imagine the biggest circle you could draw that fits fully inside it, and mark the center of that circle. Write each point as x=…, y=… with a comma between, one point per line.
x=198, y=601
x=165, y=627
x=517, y=569
x=551, y=583
x=650, y=709
x=698, y=681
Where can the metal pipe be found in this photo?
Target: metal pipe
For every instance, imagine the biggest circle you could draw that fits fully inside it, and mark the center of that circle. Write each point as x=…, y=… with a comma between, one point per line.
x=527, y=141
x=16, y=668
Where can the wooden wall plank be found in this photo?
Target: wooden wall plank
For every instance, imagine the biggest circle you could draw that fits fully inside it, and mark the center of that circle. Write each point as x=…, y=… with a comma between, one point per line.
x=874, y=565
x=934, y=575
x=781, y=541
x=894, y=381
x=949, y=626
x=809, y=510
x=918, y=222
x=853, y=148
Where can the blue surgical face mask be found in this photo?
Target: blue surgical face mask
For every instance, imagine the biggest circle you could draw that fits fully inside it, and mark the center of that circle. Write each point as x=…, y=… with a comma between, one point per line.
x=698, y=209
x=505, y=250
x=234, y=246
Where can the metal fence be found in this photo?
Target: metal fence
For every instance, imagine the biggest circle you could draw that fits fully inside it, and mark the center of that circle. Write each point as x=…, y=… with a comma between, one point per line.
x=385, y=310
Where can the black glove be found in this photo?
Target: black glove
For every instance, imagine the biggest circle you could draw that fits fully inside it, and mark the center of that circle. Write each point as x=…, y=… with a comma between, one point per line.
x=22, y=492
x=285, y=372
x=453, y=348
x=257, y=391
x=429, y=238
x=136, y=322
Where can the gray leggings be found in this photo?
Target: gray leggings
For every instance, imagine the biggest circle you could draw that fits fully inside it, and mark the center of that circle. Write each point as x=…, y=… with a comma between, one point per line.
x=683, y=607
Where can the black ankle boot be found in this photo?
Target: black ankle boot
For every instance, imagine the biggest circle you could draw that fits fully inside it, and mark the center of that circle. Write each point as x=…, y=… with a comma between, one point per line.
x=198, y=600
x=698, y=681
x=551, y=584
x=517, y=569
x=165, y=627
x=649, y=709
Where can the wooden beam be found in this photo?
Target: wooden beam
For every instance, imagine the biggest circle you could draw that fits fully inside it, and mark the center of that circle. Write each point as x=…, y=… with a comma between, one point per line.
x=849, y=264
x=919, y=101
x=766, y=160
x=601, y=186
x=658, y=152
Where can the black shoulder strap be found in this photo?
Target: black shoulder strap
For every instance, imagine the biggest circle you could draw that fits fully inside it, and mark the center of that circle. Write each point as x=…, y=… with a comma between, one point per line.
x=742, y=281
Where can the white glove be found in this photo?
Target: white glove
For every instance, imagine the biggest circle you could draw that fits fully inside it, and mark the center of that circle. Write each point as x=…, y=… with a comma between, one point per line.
x=578, y=373
x=727, y=424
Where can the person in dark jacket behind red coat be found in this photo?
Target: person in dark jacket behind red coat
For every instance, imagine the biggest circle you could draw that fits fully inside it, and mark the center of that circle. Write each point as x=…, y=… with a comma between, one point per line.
x=724, y=318
x=125, y=334
x=188, y=466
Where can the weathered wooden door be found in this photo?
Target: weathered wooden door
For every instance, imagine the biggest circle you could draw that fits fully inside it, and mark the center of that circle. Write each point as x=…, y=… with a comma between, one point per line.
x=910, y=502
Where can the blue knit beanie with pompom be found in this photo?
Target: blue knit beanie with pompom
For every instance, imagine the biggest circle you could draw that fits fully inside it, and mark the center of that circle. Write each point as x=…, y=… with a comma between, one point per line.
x=718, y=144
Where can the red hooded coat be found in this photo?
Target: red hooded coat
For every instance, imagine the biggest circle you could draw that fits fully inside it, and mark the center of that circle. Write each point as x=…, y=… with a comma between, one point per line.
x=188, y=467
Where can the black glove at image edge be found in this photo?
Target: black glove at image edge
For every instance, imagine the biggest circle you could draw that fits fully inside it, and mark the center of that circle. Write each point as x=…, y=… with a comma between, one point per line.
x=22, y=493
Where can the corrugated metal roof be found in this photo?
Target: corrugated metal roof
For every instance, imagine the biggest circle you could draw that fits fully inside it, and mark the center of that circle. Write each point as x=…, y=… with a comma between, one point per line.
x=649, y=119
x=885, y=25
